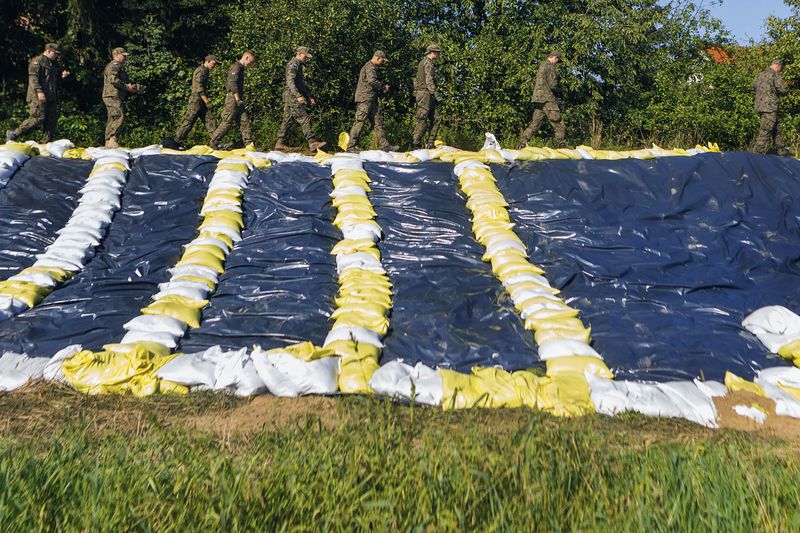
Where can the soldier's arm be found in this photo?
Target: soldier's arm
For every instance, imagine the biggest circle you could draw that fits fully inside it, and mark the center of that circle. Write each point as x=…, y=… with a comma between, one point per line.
x=114, y=78
x=291, y=77
x=780, y=85
x=35, y=76
x=232, y=85
x=202, y=82
x=373, y=80
x=552, y=80
x=429, y=82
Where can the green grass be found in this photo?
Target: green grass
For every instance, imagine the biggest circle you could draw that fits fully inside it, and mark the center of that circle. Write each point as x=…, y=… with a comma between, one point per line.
x=74, y=463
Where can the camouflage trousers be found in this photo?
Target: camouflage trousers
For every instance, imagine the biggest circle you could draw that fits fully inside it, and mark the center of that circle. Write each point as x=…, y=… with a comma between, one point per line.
x=295, y=112
x=40, y=113
x=233, y=113
x=196, y=109
x=116, y=117
x=372, y=112
x=769, y=131
x=427, y=117
x=551, y=111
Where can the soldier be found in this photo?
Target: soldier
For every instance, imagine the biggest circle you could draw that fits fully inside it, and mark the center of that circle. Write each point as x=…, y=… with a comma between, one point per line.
x=295, y=97
x=427, y=96
x=44, y=75
x=116, y=87
x=545, y=103
x=367, y=108
x=234, y=110
x=767, y=87
x=199, y=105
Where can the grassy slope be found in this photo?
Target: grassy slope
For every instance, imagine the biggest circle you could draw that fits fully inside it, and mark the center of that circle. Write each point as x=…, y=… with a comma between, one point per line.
x=70, y=462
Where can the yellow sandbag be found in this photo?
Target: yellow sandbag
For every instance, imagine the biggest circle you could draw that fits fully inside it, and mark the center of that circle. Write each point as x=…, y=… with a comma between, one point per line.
x=178, y=307
x=202, y=258
x=554, y=323
x=223, y=218
x=20, y=148
x=347, y=173
x=306, y=351
x=152, y=347
x=369, y=309
x=117, y=372
x=499, y=386
x=522, y=305
x=107, y=166
x=362, y=210
x=24, y=291
x=379, y=325
x=214, y=235
x=234, y=167
x=351, y=350
x=320, y=157
x=364, y=298
x=209, y=248
x=351, y=199
x=365, y=277
x=228, y=193
x=344, y=140
x=198, y=149
x=578, y=364
x=565, y=394
x=531, y=286
x=349, y=246
x=354, y=375
x=220, y=200
x=459, y=392
x=58, y=274
x=351, y=182
x=550, y=334
x=493, y=156
x=737, y=384
x=791, y=350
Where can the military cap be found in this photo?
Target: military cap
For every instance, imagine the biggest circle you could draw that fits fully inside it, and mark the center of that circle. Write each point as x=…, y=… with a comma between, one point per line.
x=303, y=50
x=432, y=48
x=211, y=58
x=380, y=54
x=555, y=53
x=119, y=50
x=777, y=62
x=53, y=47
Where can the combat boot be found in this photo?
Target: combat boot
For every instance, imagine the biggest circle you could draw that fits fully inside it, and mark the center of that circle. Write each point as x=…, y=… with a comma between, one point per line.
x=282, y=147
x=316, y=145
x=112, y=143
x=11, y=135
x=390, y=148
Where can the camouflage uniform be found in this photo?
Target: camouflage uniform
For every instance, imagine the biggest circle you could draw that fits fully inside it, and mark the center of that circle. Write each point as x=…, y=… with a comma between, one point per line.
x=43, y=76
x=545, y=104
x=367, y=108
x=115, y=82
x=197, y=108
x=234, y=112
x=292, y=109
x=427, y=98
x=768, y=86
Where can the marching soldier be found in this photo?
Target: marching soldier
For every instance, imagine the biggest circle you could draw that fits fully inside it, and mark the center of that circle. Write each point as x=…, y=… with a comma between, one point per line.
x=767, y=87
x=427, y=96
x=368, y=88
x=44, y=76
x=295, y=97
x=545, y=103
x=234, y=110
x=116, y=87
x=199, y=105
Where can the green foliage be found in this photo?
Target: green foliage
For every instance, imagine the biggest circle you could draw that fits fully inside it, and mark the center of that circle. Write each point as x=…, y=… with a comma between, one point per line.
x=635, y=71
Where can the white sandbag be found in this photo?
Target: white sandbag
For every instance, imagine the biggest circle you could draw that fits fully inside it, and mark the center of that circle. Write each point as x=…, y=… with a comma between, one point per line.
x=353, y=333
x=194, y=270
x=459, y=168
x=238, y=161
x=341, y=162
x=57, y=148
x=555, y=304
x=361, y=260
x=522, y=278
x=53, y=370
x=156, y=323
x=153, y=149
x=236, y=373
x=614, y=397
x=506, y=244
x=288, y=376
x=109, y=159
x=231, y=206
x=161, y=337
x=99, y=152
x=110, y=176
x=66, y=252
x=750, y=412
x=78, y=230
x=399, y=380
x=103, y=197
x=37, y=278
x=785, y=403
x=565, y=348
x=584, y=153
x=780, y=375
x=193, y=293
x=219, y=243
x=422, y=155
x=57, y=263
x=712, y=389
x=490, y=142
x=362, y=230
x=774, y=325
x=519, y=296
x=231, y=176
x=99, y=219
x=378, y=156
x=222, y=229
x=191, y=370
x=17, y=369
x=695, y=405
x=352, y=190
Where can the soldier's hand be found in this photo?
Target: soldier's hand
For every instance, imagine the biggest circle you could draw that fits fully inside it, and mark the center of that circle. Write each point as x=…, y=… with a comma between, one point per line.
x=132, y=88
x=64, y=74
x=312, y=101
x=386, y=88
x=301, y=100
x=41, y=96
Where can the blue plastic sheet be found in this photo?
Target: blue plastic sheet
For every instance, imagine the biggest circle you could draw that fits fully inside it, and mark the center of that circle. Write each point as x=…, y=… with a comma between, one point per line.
x=449, y=309
x=280, y=279
x=159, y=214
x=36, y=202
x=664, y=258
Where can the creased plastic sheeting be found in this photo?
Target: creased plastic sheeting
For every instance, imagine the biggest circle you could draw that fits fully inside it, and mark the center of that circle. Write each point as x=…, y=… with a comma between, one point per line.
x=665, y=257
x=36, y=203
x=280, y=279
x=449, y=310
x=160, y=212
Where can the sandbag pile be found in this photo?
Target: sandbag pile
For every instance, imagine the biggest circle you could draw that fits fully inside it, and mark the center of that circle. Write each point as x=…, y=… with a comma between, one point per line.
x=12, y=156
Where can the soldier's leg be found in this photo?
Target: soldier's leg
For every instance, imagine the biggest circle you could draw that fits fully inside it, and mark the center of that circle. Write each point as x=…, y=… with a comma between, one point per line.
x=554, y=116
x=245, y=127
x=115, y=118
x=764, y=132
x=421, y=117
x=377, y=126
x=285, y=121
x=35, y=118
x=780, y=147
x=435, y=120
x=192, y=111
x=50, y=122
x=300, y=114
x=536, y=123
x=362, y=114
x=209, y=119
x=228, y=116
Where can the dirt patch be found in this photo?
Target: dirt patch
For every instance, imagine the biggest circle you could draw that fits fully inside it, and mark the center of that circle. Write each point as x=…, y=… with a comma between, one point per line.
x=777, y=426
x=271, y=412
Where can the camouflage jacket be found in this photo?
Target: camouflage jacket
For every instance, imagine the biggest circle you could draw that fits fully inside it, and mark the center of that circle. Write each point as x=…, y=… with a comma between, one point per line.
x=546, y=83
x=424, y=81
x=295, y=84
x=369, y=83
x=767, y=87
x=115, y=81
x=200, y=81
x=43, y=76
x=235, y=81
